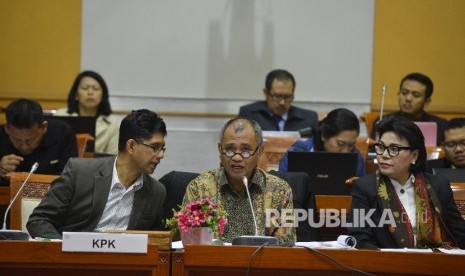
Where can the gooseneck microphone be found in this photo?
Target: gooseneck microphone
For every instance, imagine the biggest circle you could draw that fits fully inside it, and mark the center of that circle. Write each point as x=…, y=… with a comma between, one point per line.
x=16, y=234
x=383, y=95
x=256, y=239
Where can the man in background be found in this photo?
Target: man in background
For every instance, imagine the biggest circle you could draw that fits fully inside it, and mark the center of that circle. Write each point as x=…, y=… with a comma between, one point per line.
x=240, y=147
x=413, y=97
x=276, y=112
x=453, y=146
x=27, y=138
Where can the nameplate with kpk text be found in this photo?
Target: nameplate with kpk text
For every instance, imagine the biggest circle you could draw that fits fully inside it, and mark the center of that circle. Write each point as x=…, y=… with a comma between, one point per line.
x=104, y=242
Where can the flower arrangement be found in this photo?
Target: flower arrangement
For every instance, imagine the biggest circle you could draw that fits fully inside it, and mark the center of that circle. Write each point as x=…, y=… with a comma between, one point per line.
x=202, y=213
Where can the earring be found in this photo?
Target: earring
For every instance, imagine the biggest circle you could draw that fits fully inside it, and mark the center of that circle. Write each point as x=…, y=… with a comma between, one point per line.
x=413, y=162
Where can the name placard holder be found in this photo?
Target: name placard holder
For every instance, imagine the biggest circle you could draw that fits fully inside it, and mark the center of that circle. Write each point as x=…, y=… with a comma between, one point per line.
x=104, y=242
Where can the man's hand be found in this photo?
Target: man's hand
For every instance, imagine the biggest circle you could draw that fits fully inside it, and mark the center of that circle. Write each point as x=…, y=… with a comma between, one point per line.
x=10, y=162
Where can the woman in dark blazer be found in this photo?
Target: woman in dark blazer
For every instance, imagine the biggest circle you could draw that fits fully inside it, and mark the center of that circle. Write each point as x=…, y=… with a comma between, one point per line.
x=401, y=205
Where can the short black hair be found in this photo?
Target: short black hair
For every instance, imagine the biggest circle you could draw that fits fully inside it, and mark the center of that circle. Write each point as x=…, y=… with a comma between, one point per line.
x=423, y=79
x=338, y=120
x=139, y=125
x=455, y=123
x=408, y=130
x=280, y=75
x=24, y=113
x=104, y=107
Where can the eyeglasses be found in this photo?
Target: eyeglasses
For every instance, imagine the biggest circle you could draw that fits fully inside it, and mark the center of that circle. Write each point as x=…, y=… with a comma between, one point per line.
x=155, y=149
x=393, y=150
x=280, y=97
x=245, y=154
x=451, y=145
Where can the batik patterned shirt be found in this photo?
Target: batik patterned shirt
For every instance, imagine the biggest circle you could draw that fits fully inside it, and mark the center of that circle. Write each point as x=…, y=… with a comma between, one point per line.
x=267, y=192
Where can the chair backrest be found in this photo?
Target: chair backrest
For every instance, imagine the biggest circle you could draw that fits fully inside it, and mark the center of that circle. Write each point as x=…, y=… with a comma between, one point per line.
x=341, y=203
x=369, y=118
x=303, y=198
x=274, y=149
x=82, y=140
x=175, y=183
x=31, y=195
x=458, y=189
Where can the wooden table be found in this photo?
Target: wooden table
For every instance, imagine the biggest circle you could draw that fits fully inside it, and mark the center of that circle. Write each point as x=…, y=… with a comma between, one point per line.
x=233, y=260
x=46, y=258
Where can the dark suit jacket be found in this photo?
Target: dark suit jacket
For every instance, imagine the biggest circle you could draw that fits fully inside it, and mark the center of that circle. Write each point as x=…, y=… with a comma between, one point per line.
x=437, y=163
x=298, y=118
x=76, y=200
x=364, y=196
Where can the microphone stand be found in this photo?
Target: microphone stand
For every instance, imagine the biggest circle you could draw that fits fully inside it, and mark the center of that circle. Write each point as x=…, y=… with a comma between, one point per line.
x=256, y=239
x=16, y=234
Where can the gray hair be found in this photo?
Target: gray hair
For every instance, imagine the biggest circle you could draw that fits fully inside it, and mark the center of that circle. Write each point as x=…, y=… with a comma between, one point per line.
x=241, y=127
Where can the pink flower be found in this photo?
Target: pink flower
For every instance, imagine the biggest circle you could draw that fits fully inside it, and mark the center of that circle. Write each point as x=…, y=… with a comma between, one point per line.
x=202, y=213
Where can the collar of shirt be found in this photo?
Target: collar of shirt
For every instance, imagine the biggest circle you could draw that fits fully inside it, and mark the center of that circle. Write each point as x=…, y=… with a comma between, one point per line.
x=138, y=183
x=258, y=179
x=406, y=186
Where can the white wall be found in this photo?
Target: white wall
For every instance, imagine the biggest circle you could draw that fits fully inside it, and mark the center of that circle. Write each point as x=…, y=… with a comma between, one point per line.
x=222, y=49
x=213, y=56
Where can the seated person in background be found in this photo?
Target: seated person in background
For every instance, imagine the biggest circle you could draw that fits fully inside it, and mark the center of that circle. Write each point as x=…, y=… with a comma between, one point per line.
x=108, y=193
x=414, y=95
x=412, y=208
x=240, y=147
x=89, y=97
x=453, y=146
x=337, y=132
x=276, y=112
x=27, y=138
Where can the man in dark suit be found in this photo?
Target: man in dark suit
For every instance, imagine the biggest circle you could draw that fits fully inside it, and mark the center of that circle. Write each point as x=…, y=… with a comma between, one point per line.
x=27, y=138
x=276, y=111
x=112, y=193
x=414, y=96
x=453, y=146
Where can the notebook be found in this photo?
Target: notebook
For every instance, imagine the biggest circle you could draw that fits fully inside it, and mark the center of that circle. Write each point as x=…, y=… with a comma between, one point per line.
x=327, y=170
x=454, y=175
x=430, y=132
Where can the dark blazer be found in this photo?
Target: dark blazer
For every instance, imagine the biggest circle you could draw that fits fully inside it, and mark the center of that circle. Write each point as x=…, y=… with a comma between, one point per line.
x=77, y=198
x=298, y=118
x=364, y=196
x=437, y=163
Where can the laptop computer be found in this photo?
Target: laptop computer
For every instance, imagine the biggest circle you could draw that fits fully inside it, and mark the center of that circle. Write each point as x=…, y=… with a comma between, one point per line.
x=327, y=170
x=430, y=132
x=79, y=125
x=453, y=175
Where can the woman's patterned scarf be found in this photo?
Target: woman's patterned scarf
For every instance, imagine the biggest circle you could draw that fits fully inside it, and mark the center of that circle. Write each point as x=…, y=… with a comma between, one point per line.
x=429, y=233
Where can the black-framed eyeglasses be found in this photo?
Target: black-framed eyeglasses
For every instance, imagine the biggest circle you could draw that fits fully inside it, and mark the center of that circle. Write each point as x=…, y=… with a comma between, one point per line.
x=393, y=150
x=451, y=145
x=155, y=149
x=280, y=97
x=245, y=154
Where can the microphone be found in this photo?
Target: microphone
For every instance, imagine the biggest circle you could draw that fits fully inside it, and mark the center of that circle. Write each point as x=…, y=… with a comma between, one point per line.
x=383, y=95
x=256, y=239
x=16, y=234
x=306, y=132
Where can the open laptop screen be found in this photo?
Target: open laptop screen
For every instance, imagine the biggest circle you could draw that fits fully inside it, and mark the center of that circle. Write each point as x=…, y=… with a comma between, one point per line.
x=430, y=132
x=453, y=175
x=327, y=170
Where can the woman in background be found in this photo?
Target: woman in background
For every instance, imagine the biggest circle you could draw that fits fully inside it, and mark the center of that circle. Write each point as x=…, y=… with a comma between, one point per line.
x=338, y=132
x=412, y=208
x=89, y=97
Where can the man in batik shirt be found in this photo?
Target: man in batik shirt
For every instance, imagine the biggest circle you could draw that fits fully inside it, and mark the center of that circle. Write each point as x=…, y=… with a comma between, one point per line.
x=240, y=147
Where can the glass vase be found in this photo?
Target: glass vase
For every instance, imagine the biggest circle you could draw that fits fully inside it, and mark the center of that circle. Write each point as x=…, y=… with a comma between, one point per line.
x=198, y=235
